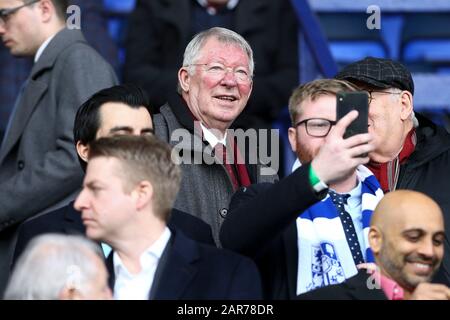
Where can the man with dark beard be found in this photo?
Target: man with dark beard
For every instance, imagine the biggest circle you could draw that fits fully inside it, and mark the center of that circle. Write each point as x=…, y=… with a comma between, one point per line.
x=407, y=238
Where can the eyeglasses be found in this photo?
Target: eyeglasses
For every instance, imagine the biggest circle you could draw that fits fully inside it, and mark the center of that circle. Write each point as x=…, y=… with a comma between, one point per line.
x=371, y=98
x=218, y=71
x=6, y=13
x=317, y=127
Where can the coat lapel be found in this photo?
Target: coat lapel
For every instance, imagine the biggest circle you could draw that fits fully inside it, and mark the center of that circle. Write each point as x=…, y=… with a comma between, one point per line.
x=31, y=95
x=179, y=269
x=110, y=267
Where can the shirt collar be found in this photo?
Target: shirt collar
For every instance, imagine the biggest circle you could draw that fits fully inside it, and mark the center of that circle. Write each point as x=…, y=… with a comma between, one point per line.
x=211, y=138
x=391, y=289
x=354, y=198
x=148, y=258
x=42, y=48
x=355, y=195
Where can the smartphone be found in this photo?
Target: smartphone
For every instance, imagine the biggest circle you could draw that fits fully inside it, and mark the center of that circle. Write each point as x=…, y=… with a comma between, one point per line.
x=348, y=101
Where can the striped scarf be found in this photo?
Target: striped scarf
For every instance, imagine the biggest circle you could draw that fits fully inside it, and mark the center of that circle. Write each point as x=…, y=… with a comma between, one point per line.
x=324, y=257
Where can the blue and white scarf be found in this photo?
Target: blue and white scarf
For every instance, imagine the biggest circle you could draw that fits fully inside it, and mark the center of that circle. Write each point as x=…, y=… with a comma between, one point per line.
x=324, y=257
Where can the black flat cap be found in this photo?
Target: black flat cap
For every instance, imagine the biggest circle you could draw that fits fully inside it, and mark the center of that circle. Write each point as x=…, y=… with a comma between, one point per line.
x=380, y=73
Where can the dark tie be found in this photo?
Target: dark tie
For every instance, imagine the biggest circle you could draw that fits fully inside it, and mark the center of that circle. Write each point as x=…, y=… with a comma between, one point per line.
x=347, y=223
x=221, y=154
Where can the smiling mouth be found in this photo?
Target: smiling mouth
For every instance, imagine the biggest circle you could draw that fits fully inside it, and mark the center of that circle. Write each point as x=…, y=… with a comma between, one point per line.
x=422, y=269
x=226, y=98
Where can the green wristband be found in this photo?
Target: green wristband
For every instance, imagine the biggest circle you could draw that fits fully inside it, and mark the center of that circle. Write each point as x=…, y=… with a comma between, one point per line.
x=313, y=178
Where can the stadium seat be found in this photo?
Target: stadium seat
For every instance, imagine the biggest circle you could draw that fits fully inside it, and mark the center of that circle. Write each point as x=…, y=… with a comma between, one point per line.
x=349, y=37
x=426, y=40
x=117, y=12
x=124, y=6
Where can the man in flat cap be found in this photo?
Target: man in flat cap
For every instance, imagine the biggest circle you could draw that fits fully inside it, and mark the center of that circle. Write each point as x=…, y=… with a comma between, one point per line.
x=411, y=152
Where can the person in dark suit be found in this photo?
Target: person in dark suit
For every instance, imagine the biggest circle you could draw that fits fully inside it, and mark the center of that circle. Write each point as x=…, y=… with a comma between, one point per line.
x=128, y=193
x=38, y=164
x=407, y=238
x=15, y=70
x=158, y=35
x=298, y=241
x=122, y=109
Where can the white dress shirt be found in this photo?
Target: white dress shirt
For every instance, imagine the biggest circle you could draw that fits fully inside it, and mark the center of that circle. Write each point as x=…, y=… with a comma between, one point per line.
x=137, y=286
x=42, y=48
x=211, y=138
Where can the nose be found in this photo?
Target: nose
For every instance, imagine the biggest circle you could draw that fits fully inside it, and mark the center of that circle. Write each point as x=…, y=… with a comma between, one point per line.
x=80, y=201
x=427, y=248
x=229, y=78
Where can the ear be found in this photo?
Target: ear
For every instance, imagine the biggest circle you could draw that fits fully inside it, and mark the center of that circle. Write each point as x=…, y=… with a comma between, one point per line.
x=406, y=100
x=292, y=135
x=184, y=79
x=47, y=10
x=375, y=240
x=143, y=194
x=83, y=151
x=69, y=293
x=251, y=89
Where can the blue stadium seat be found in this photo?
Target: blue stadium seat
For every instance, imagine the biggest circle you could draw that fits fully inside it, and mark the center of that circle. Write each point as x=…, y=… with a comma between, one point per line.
x=426, y=40
x=124, y=6
x=117, y=12
x=350, y=39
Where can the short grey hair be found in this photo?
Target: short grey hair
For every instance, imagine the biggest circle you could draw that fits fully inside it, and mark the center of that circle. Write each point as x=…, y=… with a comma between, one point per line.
x=223, y=35
x=50, y=263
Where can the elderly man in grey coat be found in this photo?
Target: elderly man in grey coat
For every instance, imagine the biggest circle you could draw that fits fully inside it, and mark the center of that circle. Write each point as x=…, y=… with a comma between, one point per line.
x=39, y=169
x=214, y=85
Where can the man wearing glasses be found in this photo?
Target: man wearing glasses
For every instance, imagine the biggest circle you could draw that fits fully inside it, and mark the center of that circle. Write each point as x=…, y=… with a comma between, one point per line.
x=214, y=86
x=410, y=152
x=39, y=170
x=310, y=229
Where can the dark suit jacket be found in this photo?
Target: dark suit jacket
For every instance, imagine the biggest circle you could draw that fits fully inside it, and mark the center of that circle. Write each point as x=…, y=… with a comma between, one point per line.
x=354, y=288
x=68, y=221
x=261, y=224
x=39, y=169
x=160, y=30
x=193, y=271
